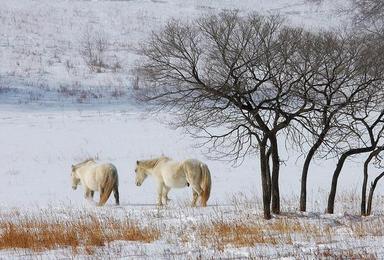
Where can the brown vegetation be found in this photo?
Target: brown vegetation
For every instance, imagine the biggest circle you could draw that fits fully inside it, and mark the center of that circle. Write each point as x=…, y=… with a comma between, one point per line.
x=40, y=233
x=245, y=233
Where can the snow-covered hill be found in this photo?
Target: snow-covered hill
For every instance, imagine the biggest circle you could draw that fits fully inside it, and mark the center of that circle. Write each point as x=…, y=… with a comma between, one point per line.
x=41, y=41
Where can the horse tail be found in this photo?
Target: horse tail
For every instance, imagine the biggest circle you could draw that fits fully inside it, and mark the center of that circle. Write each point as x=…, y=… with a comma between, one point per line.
x=205, y=184
x=116, y=190
x=110, y=184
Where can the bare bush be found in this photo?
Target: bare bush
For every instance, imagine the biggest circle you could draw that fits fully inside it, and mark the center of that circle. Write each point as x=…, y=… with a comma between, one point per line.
x=69, y=65
x=316, y=2
x=4, y=88
x=136, y=82
x=94, y=46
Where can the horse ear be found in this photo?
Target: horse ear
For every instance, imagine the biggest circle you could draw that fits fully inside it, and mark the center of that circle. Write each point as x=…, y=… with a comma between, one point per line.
x=137, y=162
x=73, y=167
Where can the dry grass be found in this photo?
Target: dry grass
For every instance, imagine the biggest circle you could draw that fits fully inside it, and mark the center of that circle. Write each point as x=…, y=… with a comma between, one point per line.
x=88, y=231
x=367, y=227
x=329, y=253
x=215, y=231
x=221, y=234
x=241, y=226
x=248, y=233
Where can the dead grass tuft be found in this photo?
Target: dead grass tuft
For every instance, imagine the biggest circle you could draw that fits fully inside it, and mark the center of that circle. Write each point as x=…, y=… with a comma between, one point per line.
x=367, y=227
x=39, y=234
x=245, y=233
x=328, y=253
x=221, y=234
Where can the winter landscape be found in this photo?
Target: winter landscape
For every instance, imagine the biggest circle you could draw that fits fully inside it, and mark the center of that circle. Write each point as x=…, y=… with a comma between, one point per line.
x=59, y=107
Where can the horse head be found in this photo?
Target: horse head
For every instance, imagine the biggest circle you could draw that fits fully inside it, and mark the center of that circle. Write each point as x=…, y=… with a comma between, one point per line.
x=75, y=178
x=141, y=173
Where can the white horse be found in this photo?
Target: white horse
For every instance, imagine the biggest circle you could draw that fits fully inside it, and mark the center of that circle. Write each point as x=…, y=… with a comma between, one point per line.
x=173, y=174
x=96, y=177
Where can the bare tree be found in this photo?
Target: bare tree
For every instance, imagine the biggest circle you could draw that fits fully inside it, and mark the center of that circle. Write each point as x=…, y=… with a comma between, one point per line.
x=369, y=20
x=369, y=127
x=365, y=117
x=337, y=81
x=369, y=16
x=227, y=79
x=241, y=82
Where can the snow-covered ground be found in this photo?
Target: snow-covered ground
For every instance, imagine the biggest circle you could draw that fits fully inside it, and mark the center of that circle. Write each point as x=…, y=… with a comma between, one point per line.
x=38, y=145
x=38, y=148
x=55, y=112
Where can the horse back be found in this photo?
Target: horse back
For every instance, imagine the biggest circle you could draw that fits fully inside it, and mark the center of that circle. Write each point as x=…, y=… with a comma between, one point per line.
x=106, y=169
x=192, y=163
x=100, y=173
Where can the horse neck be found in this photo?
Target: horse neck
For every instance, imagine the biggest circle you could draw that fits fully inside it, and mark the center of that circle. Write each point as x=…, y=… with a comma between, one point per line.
x=151, y=166
x=83, y=169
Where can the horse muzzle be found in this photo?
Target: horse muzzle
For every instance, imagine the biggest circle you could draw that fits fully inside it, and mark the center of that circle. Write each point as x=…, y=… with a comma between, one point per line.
x=74, y=187
x=138, y=184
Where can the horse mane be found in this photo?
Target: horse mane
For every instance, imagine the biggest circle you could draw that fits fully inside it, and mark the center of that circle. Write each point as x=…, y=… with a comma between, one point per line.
x=153, y=162
x=76, y=166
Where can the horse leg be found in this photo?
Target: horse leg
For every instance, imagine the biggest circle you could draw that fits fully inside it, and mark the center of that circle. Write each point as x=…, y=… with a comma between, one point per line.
x=88, y=194
x=116, y=194
x=160, y=187
x=92, y=193
x=193, y=181
x=197, y=191
x=194, y=198
x=165, y=194
x=101, y=195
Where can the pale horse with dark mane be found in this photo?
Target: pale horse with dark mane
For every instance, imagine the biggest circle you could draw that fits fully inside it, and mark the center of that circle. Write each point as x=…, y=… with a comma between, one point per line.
x=96, y=177
x=169, y=174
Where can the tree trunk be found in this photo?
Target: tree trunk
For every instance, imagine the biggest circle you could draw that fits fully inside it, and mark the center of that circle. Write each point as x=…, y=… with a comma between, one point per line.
x=364, y=189
x=266, y=182
x=365, y=180
x=304, y=173
x=370, y=197
x=336, y=173
x=269, y=152
x=275, y=175
x=332, y=194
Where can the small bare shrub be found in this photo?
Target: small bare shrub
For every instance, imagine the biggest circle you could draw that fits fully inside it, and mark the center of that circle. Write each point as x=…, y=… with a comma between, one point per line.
x=4, y=88
x=69, y=65
x=94, y=46
x=116, y=64
x=316, y=2
x=67, y=91
x=135, y=82
x=117, y=92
